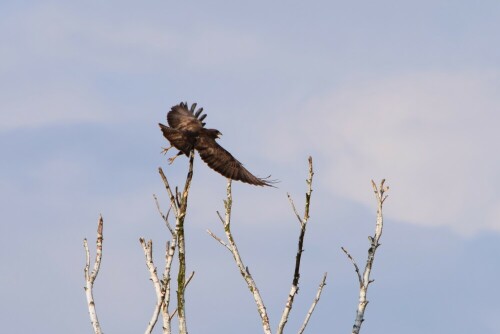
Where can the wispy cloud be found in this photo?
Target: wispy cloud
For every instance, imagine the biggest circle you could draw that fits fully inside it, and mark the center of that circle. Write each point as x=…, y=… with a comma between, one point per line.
x=38, y=105
x=56, y=67
x=431, y=134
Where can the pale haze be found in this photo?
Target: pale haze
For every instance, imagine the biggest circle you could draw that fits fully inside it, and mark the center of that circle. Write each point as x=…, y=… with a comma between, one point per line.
x=406, y=91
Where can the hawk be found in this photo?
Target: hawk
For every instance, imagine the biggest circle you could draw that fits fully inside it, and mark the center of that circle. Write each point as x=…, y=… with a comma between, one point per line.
x=187, y=132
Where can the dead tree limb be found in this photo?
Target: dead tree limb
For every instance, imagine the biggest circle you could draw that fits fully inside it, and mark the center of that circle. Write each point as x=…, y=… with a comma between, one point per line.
x=300, y=249
x=187, y=283
x=157, y=284
x=91, y=276
x=169, y=254
x=245, y=273
x=166, y=281
x=364, y=280
x=179, y=231
x=314, y=303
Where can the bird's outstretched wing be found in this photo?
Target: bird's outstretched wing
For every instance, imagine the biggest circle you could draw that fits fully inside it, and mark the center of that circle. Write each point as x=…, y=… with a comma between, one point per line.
x=220, y=160
x=182, y=118
x=178, y=139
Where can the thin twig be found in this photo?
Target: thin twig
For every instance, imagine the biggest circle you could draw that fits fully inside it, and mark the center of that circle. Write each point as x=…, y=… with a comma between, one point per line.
x=169, y=191
x=220, y=217
x=90, y=277
x=294, y=209
x=313, y=306
x=218, y=239
x=356, y=268
x=165, y=217
x=300, y=249
x=309, y=190
x=374, y=244
x=187, y=283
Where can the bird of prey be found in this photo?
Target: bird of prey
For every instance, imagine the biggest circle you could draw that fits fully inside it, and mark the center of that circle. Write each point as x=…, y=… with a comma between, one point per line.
x=187, y=132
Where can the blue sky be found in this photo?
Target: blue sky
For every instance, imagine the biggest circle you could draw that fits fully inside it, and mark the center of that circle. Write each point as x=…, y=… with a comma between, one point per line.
x=401, y=90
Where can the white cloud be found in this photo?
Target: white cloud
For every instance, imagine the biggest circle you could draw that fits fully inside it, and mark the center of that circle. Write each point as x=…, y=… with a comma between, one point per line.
x=432, y=135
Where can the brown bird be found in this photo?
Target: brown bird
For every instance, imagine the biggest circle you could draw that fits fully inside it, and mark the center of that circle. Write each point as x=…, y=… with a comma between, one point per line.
x=187, y=132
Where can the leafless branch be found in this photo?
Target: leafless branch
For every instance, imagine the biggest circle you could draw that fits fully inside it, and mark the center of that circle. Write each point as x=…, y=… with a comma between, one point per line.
x=169, y=256
x=165, y=217
x=218, y=239
x=245, y=273
x=374, y=244
x=313, y=306
x=179, y=232
x=187, y=283
x=294, y=208
x=148, y=252
x=90, y=277
x=169, y=191
x=220, y=217
x=360, y=279
x=300, y=249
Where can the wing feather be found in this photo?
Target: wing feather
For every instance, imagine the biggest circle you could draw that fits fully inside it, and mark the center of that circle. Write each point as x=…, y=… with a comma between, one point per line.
x=178, y=139
x=181, y=118
x=220, y=160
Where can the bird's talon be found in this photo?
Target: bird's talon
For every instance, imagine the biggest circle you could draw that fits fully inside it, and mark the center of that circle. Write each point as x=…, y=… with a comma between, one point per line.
x=165, y=150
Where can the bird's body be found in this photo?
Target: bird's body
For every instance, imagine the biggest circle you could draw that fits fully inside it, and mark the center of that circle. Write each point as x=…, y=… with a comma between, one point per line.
x=187, y=132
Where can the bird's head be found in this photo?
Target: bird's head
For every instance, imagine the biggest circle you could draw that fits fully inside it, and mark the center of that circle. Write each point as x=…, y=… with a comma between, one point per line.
x=213, y=133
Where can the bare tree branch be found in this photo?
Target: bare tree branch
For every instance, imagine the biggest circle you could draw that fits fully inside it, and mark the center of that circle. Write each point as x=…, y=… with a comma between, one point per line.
x=187, y=283
x=313, y=306
x=169, y=256
x=165, y=217
x=90, y=277
x=179, y=232
x=148, y=252
x=356, y=268
x=169, y=191
x=294, y=208
x=220, y=217
x=374, y=244
x=296, y=275
x=218, y=239
x=245, y=273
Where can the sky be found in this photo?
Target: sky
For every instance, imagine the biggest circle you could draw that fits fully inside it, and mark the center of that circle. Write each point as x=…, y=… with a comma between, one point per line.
x=401, y=90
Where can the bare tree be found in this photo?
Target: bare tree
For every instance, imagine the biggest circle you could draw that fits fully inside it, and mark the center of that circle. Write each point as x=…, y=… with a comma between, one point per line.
x=162, y=287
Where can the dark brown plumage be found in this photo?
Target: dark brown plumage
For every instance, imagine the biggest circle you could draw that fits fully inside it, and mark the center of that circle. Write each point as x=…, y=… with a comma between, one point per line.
x=187, y=132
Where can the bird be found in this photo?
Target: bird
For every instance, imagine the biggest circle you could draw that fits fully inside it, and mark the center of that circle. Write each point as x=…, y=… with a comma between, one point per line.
x=186, y=132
